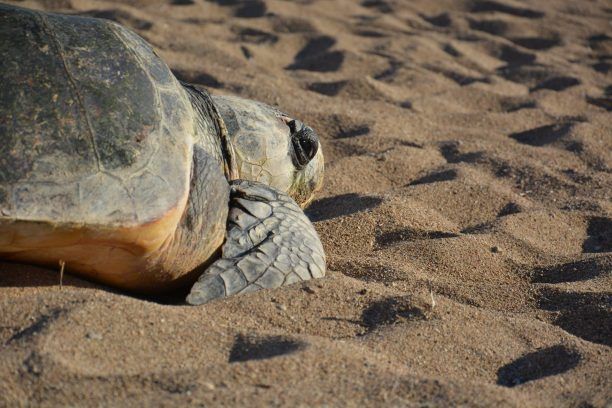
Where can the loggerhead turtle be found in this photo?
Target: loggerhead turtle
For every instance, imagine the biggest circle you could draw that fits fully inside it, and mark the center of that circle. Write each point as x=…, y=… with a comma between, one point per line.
x=137, y=180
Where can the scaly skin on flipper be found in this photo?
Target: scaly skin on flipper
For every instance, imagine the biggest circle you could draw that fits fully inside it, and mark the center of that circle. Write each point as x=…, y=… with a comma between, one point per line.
x=270, y=243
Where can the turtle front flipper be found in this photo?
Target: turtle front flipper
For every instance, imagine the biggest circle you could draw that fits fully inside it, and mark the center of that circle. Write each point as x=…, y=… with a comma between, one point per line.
x=270, y=243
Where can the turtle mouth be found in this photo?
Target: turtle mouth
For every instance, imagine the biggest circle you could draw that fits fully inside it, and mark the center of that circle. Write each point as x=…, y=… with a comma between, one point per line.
x=304, y=140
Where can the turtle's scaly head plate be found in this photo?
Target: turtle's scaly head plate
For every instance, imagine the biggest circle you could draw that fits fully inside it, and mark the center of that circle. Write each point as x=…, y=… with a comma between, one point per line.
x=272, y=148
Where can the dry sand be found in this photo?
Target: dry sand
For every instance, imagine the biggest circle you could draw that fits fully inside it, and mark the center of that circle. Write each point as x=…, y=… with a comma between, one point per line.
x=466, y=216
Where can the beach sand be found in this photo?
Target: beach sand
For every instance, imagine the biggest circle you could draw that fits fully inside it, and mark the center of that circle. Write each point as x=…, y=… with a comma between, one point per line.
x=466, y=215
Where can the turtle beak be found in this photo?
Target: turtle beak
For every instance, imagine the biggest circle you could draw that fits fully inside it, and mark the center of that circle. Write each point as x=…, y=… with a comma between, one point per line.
x=304, y=140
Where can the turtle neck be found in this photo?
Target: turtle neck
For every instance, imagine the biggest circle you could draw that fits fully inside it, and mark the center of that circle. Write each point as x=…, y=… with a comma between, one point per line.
x=207, y=111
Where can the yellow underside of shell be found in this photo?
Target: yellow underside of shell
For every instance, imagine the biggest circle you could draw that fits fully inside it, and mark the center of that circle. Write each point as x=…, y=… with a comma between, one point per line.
x=126, y=258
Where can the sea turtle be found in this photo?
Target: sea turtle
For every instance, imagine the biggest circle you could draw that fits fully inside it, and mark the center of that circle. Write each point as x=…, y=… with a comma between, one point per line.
x=130, y=177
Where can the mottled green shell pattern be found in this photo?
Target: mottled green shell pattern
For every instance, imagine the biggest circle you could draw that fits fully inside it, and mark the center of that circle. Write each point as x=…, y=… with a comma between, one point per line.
x=94, y=128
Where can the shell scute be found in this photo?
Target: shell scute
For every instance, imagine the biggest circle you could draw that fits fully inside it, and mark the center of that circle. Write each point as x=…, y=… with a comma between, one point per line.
x=91, y=123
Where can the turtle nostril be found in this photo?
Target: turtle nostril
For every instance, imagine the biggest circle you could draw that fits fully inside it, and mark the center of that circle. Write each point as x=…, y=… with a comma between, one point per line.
x=295, y=126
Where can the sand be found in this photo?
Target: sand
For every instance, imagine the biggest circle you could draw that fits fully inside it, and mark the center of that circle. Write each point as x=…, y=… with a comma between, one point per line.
x=466, y=217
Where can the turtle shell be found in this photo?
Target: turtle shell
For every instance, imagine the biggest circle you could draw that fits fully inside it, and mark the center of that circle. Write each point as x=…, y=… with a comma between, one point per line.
x=96, y=137
x=94, y=127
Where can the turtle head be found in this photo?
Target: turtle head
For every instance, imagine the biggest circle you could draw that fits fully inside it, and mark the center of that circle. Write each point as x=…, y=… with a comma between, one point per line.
x=273, y=148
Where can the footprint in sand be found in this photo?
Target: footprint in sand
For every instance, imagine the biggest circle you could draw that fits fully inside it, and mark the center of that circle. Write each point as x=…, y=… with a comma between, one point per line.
x=490, y=26
x=601, y=44
x=245, y=9
x=557, y=83
x=370, y=33
x=379, y=5
x=509, y=209
x=436, y=177
x=514, y=57
x=587, y=315
x=197, y=77
x=543, y=135
x=513, y=29
x=317, y=56
x=604, y=102
x=255, y=36
x=439, y=20
x=599, y=237
x=251, y=9
x=285, y=24
x=537, y=43
x=528, y=75
x=343, y=204
x=410, y=234
x=460, y=79
x=327, y=88
x=248, y=348
x=539, y=364
x=494, y=6
x=350, y=132
x=602, y=67
x=577, y=271
x=452, y=154
x=511, y=104
x=389, y=311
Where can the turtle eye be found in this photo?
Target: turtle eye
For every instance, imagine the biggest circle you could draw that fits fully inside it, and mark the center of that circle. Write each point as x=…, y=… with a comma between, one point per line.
x=305, y=142
x=309, y=141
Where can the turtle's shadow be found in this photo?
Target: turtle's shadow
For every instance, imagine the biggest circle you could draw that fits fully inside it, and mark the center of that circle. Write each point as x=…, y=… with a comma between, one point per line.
x=17, y=275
